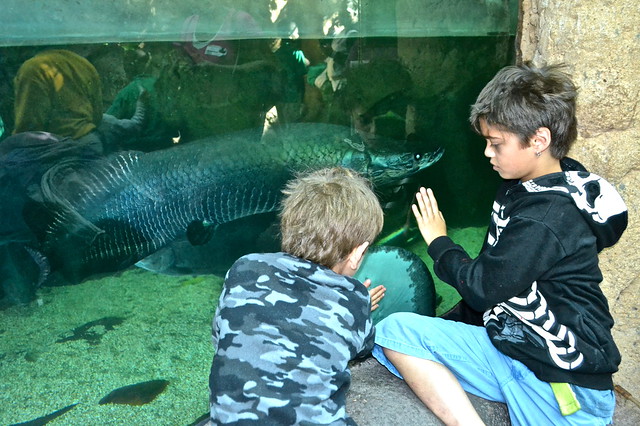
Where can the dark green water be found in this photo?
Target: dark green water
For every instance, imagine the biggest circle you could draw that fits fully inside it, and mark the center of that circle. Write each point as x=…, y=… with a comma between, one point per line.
x=163, y=331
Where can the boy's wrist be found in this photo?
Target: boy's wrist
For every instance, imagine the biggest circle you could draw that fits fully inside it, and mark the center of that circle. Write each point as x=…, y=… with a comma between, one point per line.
x=439, y=245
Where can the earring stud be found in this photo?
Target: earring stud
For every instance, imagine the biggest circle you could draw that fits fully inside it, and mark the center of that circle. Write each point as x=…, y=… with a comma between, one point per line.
x=538, y=153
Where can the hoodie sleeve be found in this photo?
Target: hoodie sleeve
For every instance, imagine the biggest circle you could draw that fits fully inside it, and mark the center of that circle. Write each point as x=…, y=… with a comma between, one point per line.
x=526, y=249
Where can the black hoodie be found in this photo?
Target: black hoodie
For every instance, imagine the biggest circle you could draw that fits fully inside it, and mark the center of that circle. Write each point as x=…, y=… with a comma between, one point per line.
x=537, y=278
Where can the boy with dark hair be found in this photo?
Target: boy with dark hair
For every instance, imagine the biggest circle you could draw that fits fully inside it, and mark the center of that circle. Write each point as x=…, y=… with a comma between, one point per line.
x=546, y=348
x=288, y=323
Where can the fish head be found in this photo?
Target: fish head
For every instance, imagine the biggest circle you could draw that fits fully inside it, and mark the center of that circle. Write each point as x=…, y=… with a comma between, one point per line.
x=388, y=168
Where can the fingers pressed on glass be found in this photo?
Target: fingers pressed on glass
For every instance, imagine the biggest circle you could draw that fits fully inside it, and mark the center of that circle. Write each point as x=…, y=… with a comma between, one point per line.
x=416, y=212
x=432, y=200
x=422, y=203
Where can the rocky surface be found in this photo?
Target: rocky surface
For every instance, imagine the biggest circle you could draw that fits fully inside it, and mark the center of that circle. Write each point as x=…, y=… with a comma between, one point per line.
x=378, y=398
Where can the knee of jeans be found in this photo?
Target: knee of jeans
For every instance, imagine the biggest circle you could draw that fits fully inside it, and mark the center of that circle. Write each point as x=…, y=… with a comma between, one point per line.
x=396, y=318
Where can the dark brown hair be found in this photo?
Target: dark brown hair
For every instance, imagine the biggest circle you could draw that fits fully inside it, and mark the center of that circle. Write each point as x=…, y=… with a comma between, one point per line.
x=521, y=99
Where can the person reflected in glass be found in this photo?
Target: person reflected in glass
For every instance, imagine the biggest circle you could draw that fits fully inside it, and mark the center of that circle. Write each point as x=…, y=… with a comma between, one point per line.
x=59, y=92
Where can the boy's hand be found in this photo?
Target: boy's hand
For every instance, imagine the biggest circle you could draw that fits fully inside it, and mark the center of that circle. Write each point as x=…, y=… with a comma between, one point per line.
x=376, y=294
x=429, y=218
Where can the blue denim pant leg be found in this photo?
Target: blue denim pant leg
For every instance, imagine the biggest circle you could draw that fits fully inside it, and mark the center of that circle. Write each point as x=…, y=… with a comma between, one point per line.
x=484, y=371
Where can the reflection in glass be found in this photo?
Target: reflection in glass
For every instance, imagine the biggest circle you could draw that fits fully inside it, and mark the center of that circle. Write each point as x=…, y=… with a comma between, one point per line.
x=198, y=100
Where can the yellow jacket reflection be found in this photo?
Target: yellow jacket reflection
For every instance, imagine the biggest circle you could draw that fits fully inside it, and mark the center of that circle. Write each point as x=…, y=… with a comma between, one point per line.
x=58, y=91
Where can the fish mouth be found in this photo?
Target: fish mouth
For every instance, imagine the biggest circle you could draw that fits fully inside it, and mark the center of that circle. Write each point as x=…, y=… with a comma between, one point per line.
x=388, y=169
x=430, y=158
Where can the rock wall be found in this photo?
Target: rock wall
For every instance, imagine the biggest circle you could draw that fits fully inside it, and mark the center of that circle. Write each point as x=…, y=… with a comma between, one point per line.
x=599, y=40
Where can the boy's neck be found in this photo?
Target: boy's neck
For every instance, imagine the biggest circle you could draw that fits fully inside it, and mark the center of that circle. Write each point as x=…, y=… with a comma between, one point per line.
x=545, y=167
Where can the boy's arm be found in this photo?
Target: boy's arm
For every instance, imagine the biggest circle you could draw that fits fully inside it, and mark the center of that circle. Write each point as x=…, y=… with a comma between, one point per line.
x=215, y=329
x=525, y=250
x=368, y=332
x=369, y=340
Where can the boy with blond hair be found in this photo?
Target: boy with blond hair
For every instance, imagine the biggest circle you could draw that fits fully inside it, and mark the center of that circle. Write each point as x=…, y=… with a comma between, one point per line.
x=288, y=323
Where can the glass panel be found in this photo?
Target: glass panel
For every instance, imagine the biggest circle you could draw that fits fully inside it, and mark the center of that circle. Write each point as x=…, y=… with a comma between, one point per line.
x=171, y=129
x=47, y=22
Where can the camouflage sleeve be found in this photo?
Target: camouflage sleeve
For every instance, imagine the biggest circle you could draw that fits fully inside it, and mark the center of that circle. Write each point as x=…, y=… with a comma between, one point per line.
x=215, y=332
x=369, y=340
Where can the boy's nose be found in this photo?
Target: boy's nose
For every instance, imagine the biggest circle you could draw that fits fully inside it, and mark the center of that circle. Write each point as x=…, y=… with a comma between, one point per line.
x=488, y=151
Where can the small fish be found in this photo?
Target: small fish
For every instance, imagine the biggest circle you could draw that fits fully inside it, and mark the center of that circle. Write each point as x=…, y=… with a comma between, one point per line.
x=137, y=394
x=46, y=419
x=176, y=139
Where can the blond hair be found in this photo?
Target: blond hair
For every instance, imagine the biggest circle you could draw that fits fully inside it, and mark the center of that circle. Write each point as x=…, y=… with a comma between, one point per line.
x=327, y=213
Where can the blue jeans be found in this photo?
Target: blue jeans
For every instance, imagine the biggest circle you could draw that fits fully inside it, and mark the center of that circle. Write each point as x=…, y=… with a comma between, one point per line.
x=484, y=371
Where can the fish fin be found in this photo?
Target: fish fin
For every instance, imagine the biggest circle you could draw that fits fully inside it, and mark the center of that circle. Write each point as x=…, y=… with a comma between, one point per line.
x=44, y=269
x=49, y=222
x=60, y=238
x=75, y=187
x=57, y=215
x=200, y=232
x=39, y=218
x=19, y=274
x=49, y=417
x=117, y=246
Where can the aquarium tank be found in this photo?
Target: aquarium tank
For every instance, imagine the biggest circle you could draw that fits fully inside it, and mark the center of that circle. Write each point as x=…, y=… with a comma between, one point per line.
x=144, y=145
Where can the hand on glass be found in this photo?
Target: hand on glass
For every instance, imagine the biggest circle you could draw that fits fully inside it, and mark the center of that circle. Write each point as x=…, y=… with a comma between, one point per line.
x=430, y=220
x=376, y=294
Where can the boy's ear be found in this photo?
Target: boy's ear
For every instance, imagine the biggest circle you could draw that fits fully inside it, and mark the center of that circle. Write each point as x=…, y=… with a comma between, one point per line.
x=355, y=258
x=541, y=139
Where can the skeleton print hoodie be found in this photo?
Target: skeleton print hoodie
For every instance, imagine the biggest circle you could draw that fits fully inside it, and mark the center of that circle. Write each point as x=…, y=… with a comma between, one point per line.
x=537, y=278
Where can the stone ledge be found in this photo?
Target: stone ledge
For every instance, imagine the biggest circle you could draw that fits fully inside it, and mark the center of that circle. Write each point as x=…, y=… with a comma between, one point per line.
x=378, y=398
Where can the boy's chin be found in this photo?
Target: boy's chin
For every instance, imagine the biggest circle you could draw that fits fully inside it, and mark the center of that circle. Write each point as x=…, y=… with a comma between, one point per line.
x=506, y=176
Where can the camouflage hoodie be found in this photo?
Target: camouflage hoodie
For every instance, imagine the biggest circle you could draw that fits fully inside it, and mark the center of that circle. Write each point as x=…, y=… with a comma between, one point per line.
x=284, y=331
x=537, y=278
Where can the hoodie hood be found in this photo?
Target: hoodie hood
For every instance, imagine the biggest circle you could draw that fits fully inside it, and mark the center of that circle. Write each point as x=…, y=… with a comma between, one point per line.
x=597, y=200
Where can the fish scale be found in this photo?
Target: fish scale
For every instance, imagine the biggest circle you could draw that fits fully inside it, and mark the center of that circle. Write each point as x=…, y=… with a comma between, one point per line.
x=118, y=210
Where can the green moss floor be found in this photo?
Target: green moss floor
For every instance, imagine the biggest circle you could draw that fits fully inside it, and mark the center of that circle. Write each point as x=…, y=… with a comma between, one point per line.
x=78, y=343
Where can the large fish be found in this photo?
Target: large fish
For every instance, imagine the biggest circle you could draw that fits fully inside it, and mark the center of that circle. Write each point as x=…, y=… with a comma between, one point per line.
x=114, y=212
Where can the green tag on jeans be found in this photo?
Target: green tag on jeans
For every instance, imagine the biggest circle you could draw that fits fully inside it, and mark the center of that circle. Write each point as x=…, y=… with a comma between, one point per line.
x=566, y=398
